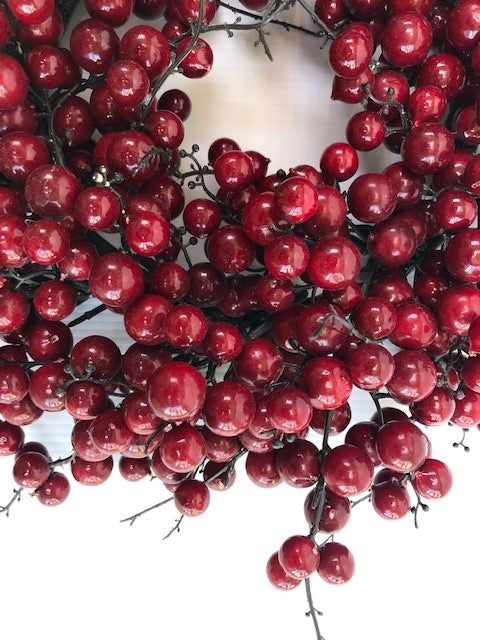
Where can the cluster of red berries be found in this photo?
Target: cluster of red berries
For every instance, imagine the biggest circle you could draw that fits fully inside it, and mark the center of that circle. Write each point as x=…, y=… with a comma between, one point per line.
x=306, y=291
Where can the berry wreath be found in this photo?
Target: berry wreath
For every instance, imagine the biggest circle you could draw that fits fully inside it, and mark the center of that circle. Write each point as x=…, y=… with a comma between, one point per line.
x=307, y=292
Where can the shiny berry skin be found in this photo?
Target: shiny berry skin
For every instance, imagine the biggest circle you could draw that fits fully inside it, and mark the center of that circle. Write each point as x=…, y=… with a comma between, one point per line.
x=445, y=71
x=326, y=381
x=21, y=153
x=289, y=410
x=307, y=324
x=46, y=242
x=234, y=170
x=347, y=470
x=144, y=319
x=51, y=190
x=392, y=242
x=298, y=464
x=31, y=11
x=335, y=513
x=402, y=446
x=21, y=413
x=198, y=62
x=390, y=500
x=176, y=391
x=415, y=327
x=337, y=564
x=109, y=432
x=185, y=326
x=46, y=67
x=11, y=439
x=262, y=469
x=287, y=257
x=229, y=408
x=277, y=575
x=94, y=45
x=375, y=317
x=31, y=470
x=116, y=279
x=127, y=153
x=73, y=121
x=165, y=129
x=427, y=103
x=113, y=12
x=334, y=263
x=91, y=473
x=98, y=354
x=148, y=47
x=436, y=408
x=462, y=255
x=85, y=400
x=454, y=209
x=97, y=208
x=201, y=217
x=223, y=342
x=147, y=234
x=44, y=385
x=457, y=308
x=338, y=422
x=170, y=280
x=351, y=50
x=467, y=409
x=432, y=480
x=409, y=184
x=21, y=118
x=414, y=377
x=128, y=83
x=13, y=83
x=295, y=200
x=299, y=557
x=372, y=197
x=258, y=218
x=371, y=367
x=406, y=39
x=339, y=162
x=230, y=250
x=191, y=498
x=133, y=469
x=463, y=25
x=14, y=310
x=183, y=448
x=428, y=148
x=54, y=490
x=260, y=363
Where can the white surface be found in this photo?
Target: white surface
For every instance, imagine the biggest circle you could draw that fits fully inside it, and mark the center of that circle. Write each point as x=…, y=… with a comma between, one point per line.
x=74, y=572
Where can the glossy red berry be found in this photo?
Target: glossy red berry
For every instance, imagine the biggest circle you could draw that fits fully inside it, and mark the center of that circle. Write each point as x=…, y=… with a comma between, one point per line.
x=347, y=470
x=299, y=557
x=176, y=391
x=402, y=446
x=337, y=564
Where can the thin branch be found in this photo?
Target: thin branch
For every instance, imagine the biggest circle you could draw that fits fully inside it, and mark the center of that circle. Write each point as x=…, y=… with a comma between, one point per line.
x=176, y=527
x=313, y=612
x=131, y=519
x=288, y=26
x=177, y=61
x=87, y=316
x=16, y=498
x=319, y=495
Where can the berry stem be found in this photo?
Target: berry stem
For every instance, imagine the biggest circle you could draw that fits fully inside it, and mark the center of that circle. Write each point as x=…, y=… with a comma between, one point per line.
x=288, y=26
x=319, y=495
x=313, y=612
x=131, y=519
x=196, y=31
x=87, y=315
x=16, y=498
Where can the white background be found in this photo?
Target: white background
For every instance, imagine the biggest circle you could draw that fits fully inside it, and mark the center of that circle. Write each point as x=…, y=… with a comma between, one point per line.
x=75, y=572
